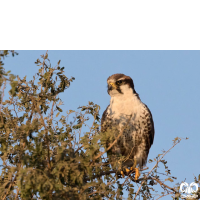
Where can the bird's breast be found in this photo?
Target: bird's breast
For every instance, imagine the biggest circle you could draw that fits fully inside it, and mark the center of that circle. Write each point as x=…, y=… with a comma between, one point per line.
x=121, y=109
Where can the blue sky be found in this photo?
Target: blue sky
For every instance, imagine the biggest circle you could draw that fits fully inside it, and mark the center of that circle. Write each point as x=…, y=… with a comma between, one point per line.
x=167, y=81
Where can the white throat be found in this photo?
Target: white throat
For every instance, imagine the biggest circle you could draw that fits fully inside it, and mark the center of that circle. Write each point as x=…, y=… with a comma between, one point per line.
x=124, y=104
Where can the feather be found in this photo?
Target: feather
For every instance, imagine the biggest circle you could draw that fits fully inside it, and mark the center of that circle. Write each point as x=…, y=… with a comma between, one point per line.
x=138, y=136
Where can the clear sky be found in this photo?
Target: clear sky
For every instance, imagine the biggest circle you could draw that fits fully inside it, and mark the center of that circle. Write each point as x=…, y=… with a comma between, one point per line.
x=167, y=81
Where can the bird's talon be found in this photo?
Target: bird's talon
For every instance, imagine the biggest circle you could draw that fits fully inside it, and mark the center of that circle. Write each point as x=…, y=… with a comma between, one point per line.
x=137, y=174
x=127, y=170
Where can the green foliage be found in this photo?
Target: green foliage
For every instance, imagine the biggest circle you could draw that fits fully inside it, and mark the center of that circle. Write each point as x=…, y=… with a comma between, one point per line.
x=46, y=154
x=42, y=153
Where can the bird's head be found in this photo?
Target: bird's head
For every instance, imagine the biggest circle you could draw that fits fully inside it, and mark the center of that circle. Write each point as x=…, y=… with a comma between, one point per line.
x=120, y=84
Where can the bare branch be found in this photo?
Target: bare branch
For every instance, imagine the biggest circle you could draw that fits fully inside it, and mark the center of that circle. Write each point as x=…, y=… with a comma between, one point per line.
x=162, y=184
x=156, y=166
x=164, y=195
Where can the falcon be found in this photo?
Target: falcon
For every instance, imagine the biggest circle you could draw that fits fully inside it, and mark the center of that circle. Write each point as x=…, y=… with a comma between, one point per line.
x=131, y=122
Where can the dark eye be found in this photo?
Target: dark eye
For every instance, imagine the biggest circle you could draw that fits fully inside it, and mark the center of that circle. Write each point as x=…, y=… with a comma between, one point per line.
x=119, y=82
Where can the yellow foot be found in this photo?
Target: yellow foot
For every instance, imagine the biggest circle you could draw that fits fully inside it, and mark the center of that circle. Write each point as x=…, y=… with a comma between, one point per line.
x=127, y=171
x=137, y=174
x=122, y=173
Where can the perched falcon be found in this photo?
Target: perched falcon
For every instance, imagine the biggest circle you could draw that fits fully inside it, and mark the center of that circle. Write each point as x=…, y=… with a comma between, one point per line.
x=128, y=115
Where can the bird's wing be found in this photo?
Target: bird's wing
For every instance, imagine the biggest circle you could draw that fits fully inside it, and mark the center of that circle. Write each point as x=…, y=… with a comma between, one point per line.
x=143, y=139
x=150, y=126
x=148, y=136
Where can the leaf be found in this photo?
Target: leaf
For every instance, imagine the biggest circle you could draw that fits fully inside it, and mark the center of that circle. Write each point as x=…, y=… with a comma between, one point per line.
x=59, y=109
x=70, y=111
x=46, y=56
x=77, y=126
x=169, y=179
x=60, y=103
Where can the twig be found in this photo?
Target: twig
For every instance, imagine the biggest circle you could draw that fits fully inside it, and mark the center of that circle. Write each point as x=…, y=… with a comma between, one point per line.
x=2, y=95
x=162, y=184
x=7, y=191
x=17, y=194
x=126, y=179
x=11, y=183
x=52, y=111
x=78, y=149
x=164, y=195
x=163, y=156
x=156, y=166
x=92, y=193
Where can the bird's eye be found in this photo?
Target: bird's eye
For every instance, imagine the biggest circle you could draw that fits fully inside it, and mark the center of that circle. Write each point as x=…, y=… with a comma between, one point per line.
x=119, y=82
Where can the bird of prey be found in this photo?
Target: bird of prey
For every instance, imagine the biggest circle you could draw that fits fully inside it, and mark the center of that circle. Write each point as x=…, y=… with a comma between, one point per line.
x=132, y=121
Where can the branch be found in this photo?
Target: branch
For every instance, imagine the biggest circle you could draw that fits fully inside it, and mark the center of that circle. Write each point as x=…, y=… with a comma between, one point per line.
x=17, y=194
x=78, y=149
x=111, y=172
x=2, y=95
x=52, y=111
x=163, y=156
x=155, y=167
x=162, y=184
x=133, y=179
x=164, y=195
x=11, y=183
x=7, y=191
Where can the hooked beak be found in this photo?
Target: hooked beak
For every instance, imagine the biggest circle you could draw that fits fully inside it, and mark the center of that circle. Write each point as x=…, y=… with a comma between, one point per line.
x=111, y=86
